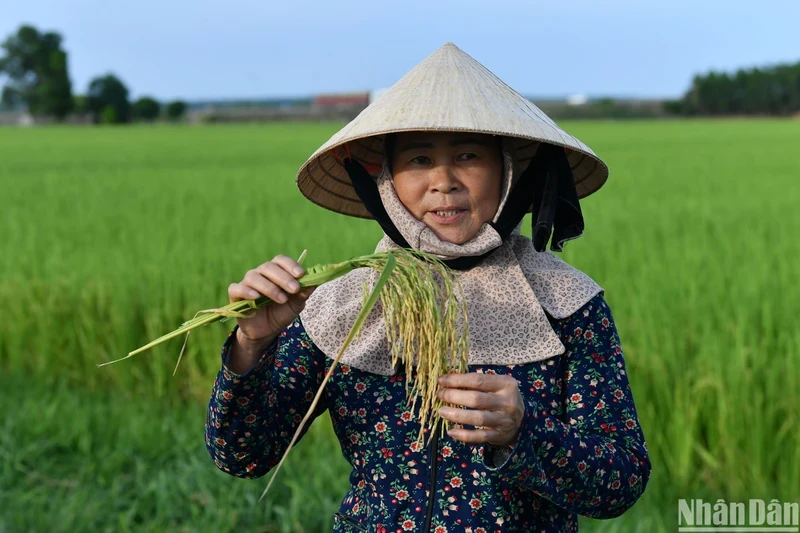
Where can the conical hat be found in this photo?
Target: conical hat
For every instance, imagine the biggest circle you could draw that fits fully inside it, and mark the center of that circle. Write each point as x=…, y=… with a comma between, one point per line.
x=448, y=91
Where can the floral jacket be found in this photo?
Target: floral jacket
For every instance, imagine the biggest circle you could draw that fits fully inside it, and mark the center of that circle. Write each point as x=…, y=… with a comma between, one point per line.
x=580, y=449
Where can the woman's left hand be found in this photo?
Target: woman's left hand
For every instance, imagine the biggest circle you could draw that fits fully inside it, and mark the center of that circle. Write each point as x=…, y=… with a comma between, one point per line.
x=496, y=406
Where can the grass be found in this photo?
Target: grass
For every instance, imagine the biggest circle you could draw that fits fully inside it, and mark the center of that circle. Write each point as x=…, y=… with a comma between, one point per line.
x=114, y=236
x=142, y=466
x=77, y=461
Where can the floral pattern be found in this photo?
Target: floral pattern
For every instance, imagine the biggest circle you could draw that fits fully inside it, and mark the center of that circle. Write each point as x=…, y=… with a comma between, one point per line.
x=580, y=451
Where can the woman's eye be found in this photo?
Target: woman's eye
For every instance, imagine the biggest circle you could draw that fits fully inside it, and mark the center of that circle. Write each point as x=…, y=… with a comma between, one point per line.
x=466, y=157
x=421, y=160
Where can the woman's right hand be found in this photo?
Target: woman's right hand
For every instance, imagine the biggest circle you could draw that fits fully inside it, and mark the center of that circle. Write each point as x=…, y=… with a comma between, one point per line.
x=276, y=280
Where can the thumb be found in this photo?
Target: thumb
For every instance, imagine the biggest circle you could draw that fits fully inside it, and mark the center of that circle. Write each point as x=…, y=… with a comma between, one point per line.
x=297, y=302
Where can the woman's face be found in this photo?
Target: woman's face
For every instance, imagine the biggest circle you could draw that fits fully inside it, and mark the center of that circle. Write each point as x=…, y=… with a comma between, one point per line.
x=449, y=180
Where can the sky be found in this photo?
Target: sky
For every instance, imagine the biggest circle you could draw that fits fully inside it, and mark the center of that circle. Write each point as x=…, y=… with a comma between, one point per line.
x=201, y=49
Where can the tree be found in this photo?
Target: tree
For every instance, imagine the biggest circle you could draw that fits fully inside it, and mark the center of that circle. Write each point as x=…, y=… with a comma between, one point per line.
x=80, y=104
x=109, y=115
x=108, y=91
x=10, y=98
x=36, y=67
x=674, y=107
x=176, y=110
x=773, y=90
x=146, y=108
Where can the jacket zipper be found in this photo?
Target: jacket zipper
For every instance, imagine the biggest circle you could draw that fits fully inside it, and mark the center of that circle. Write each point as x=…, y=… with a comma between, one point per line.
x=339, y=517
x=434, y=458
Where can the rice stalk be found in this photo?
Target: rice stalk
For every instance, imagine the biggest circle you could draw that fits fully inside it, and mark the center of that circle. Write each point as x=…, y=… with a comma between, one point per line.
x=425, y=317
x=435, y=338
x=368, y=303
x=426, y=323
x=315, y=276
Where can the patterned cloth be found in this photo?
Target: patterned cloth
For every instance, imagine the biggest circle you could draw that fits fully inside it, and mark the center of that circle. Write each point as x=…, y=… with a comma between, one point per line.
x=580, y=450
x=509, y=297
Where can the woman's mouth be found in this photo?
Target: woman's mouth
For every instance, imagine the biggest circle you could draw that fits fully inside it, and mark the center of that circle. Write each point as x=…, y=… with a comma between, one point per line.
x=447, y=215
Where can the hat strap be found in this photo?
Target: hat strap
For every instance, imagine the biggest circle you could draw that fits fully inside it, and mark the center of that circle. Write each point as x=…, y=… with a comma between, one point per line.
x=546, y=182
x=367, y=191
x=559, y=207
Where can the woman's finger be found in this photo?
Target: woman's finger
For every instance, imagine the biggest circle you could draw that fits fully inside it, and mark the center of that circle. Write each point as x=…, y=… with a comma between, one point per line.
x=475, y=417
x=238, y=291
x=476, y=435
x=476, y=381
x=274, y=273
x=471, y=398
x=289, y=265
x=264, y=286
x=306, y=293
x=301, y=296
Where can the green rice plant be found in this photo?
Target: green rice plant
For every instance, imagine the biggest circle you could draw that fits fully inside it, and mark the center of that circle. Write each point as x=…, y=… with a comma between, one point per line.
x=369, y=302
x=425, y=323
x=423, y=308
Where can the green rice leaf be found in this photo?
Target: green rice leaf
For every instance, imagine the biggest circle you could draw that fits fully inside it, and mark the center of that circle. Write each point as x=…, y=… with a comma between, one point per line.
x=370, y=302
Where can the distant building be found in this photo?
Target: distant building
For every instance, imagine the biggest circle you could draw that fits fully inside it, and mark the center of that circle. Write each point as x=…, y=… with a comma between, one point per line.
x=341, y=101
x=25, y=119
x=577, y=99
x=319, y=108
x=15, y=118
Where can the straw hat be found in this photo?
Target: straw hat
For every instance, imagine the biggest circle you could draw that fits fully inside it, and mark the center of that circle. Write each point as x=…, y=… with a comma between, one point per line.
x=448, y=91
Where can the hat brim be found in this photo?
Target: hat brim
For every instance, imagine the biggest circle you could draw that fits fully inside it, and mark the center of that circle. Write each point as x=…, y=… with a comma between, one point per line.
x=324, y=180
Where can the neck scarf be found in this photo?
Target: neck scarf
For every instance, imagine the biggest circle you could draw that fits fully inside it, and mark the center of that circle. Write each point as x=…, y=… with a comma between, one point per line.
x=507, y=283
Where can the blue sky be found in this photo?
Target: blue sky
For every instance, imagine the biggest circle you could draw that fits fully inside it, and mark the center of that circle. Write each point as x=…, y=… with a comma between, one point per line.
x=201, y=49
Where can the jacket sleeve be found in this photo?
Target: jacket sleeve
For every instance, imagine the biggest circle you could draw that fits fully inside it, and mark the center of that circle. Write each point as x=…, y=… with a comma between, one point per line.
x=592, y=459
x=252, y=417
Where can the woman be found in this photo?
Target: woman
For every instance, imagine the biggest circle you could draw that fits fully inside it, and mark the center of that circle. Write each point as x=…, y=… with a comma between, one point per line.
x=447, y=161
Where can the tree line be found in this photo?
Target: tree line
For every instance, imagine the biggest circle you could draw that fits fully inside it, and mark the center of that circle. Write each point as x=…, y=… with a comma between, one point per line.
x=773, y=90
x=35, y=66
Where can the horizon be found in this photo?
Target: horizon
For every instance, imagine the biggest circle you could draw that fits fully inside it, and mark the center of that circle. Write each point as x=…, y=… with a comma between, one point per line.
x=251, y=51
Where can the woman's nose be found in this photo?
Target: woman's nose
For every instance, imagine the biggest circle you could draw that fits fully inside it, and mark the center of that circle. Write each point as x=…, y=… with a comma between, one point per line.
x=443, y=179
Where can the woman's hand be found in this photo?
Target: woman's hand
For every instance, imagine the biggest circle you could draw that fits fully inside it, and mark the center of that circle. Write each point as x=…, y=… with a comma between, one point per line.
x=496, y=406
x=275, y=279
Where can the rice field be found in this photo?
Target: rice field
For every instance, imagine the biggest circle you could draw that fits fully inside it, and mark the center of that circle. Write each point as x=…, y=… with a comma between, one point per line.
x=114, y=236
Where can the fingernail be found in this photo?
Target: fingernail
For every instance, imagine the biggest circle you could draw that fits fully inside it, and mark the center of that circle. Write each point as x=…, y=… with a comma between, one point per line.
x=282, y=298
x=297, y=271
x=293, y=285
x=253, y=294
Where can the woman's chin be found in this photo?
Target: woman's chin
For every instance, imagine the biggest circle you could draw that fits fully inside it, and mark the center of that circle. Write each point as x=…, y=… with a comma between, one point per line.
x=452, y=236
